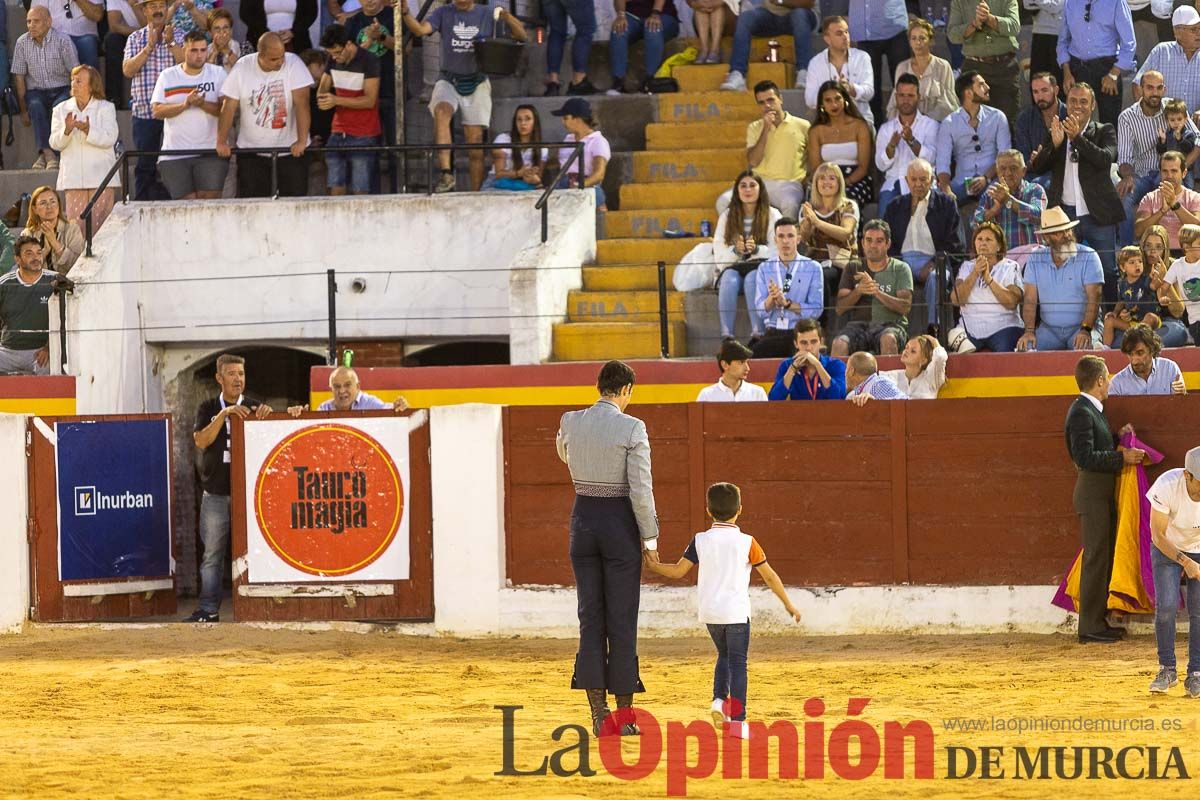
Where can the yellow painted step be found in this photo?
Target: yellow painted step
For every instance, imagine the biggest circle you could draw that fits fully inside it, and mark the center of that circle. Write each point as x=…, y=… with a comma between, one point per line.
x=623, y=279
x=704, y=106
x=642, y=252
x=600, y=341
x=688, y=165
x=690, y=194
x=610, y=306
x=653, y=221
x=688, y=135
x=759, y=47
x=709, y=77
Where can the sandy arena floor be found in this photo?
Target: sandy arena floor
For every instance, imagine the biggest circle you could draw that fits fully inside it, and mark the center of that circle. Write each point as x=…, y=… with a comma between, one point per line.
x=237, y=712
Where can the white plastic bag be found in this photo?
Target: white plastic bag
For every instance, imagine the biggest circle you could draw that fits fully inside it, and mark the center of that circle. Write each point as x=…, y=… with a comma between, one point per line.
x=697, y=269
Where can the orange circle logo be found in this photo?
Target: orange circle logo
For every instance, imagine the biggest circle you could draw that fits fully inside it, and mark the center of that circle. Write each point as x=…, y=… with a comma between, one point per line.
x=329, y=500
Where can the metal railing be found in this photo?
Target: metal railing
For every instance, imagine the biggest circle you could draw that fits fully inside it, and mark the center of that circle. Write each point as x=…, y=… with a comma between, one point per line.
x=397, y=154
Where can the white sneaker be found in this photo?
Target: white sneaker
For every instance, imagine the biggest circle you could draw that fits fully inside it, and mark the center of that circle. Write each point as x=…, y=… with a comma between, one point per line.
x=734, y=82
x=801, y=78
x=718, y=713
x=739, y=730
x=614, y=93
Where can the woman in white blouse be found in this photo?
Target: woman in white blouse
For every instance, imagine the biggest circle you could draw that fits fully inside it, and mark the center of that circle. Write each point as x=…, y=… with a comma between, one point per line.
x=924, y=372
x=936, y=98
x=988, y=293
x=84, y=129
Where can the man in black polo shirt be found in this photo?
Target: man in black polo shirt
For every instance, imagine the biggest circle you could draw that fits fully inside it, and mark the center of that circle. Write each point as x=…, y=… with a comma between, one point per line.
x=25, y=311
x=212, y=439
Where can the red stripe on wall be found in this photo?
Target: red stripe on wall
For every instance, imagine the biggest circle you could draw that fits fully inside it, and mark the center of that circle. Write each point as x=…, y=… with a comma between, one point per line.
x=22, y=386
x=691, y=371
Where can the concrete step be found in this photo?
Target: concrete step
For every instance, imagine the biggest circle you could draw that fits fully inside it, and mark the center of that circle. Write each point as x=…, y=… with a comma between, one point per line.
x=624, y=279
x=643, y=252
x=759, y=47
x=705, y=106
x=709, y=77
x=689, y=194
x=600, y=341
x=689, y=135
x=688, y=165
x=611, y=306
x=652, y=222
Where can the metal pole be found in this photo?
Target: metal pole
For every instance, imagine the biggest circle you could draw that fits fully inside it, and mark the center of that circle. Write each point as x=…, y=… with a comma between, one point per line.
x=274, y=176
x=62, y=328
x=332, y=293
x=664, y=338
x=87, y=224
x=428, y=172
x=399, y=77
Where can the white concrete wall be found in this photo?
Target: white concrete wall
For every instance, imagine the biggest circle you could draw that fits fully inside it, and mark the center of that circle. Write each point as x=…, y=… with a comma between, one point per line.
x=441, y=271
x=467, y=453
x=14, y=544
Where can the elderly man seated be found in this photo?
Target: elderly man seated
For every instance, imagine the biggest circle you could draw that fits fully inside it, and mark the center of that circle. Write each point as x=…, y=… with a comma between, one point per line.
x=924, y=223
x=1013, y=203
x=1064, y=280
x=864, y=381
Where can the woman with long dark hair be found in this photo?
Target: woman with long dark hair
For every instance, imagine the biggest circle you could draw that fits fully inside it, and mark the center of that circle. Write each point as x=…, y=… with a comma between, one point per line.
x=742, y=240
x=841, y=136
x=518, y=168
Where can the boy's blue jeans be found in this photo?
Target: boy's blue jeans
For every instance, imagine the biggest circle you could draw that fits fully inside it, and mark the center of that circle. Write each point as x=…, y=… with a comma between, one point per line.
x=729, y=676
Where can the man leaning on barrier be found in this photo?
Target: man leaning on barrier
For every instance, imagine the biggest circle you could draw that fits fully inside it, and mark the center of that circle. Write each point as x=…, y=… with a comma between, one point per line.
x=212, y=439
x=343, y=382
x=25, y=312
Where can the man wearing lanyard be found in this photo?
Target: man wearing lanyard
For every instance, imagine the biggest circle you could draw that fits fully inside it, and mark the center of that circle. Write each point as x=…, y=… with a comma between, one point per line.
x=820, y=377
x=788, y=287
x=212, y=439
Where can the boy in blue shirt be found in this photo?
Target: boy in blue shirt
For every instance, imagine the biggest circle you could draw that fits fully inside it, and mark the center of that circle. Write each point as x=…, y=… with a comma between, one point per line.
x=725, y=556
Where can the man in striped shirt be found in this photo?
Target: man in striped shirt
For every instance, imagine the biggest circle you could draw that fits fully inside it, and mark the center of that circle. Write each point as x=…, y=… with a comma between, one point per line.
x=1175, y=61
x=1012, y=202
x=42, y=62
x=1137, y=148
x=864, y=381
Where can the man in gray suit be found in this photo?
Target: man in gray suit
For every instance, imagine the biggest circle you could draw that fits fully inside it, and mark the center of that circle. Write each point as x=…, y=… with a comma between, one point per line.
x=608, y=454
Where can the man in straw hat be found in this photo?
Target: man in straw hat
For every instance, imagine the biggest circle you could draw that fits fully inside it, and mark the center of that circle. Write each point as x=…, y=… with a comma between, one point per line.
x=1066, y=280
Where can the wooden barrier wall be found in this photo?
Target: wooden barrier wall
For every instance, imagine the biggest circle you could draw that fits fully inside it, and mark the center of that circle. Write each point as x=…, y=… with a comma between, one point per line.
x=956, y=492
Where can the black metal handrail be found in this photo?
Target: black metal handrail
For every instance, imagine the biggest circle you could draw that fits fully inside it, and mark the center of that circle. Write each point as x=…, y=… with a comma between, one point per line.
x=391, y=151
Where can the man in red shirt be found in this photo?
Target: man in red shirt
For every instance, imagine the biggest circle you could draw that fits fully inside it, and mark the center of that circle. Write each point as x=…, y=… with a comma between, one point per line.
x=351, y=89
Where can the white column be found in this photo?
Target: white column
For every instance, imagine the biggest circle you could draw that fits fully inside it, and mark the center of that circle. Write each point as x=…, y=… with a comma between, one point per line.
x=14, y=546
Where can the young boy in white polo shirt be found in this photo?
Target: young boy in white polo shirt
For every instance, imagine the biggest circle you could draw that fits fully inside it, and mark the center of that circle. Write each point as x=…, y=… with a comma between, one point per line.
x=725, y=556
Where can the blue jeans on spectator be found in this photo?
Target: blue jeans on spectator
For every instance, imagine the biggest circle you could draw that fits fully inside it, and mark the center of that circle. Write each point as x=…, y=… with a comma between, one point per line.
x=618, y=45
x=351, y=170
x=1173, y=332
x=887, y=194
x=729, y=286
x=583, y=14
x=4, y=74
x=956, y=55
x=916, y=262
x=1002, y=341
x=148, y=135
x=214, y=533
x=1166, y=605
x=1142, y=186
x=729, y=675
x=88, y=48
x=959, y=187
x=1102, y=238
x=761, y=22
x=40, y=103
x=1056, y=337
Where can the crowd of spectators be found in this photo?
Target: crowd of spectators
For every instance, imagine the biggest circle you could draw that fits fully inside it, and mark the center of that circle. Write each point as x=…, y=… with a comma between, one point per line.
x=1060, y=226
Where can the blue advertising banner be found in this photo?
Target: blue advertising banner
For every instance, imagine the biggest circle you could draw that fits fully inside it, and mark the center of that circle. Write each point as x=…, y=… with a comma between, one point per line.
x=114, y=503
